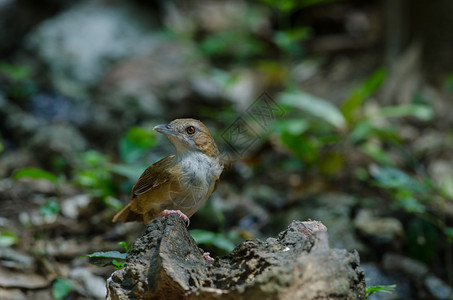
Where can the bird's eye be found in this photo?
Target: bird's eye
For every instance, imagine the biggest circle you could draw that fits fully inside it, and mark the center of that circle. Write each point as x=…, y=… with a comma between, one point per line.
x=190, y=130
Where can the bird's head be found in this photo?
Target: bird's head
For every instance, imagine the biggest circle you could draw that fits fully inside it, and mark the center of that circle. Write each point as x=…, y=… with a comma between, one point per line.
x=189, y=135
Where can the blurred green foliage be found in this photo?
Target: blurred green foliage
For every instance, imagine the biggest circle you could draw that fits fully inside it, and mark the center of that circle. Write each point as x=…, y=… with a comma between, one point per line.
x=95, y=171
x=8, y=238
x=360, y=94
x=15, y=72
x=35, y=173
x=61, y=288
x=135, y=143
x=92, y=174
x=449, y=233
x=16, y=82
x=232, y=44
x=222, y=241
x=449, y=82
x=50, y=208
x=288, y=5
x=289, y=41
x=320, y=135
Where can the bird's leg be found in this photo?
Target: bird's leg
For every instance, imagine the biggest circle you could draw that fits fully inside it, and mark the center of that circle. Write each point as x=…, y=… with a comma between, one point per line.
x=168, y=212
x=207, y=256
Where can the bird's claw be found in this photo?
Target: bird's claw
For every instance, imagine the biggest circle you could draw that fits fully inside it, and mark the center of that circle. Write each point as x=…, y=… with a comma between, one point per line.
x=168, y=212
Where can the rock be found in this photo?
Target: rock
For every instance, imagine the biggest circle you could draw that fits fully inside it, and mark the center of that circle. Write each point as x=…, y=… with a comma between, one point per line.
x=80, y=44
x=163, y=73
x=165, y=263
x=12, y=279
x=442, y=174
x=63, y=139
x=16, y=259
x=94, y=285
x=14, y=160
x=245, y=89
x=12, y=294
x=335, y=210
x=382, y=229
x=405, y=265
x=45, y=294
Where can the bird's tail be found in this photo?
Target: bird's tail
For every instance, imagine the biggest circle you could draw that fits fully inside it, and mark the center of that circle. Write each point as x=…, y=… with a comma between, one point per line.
x=127, y=215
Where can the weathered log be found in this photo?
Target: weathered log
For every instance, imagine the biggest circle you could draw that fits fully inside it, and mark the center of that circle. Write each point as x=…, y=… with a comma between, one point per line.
x=166, y=263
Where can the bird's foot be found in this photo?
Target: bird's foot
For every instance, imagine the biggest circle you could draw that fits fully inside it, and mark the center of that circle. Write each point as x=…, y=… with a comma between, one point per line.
x=207, y=256
x=168, y=212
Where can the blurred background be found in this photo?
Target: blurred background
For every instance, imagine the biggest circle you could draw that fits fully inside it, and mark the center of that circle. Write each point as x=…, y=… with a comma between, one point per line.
x=337, y=111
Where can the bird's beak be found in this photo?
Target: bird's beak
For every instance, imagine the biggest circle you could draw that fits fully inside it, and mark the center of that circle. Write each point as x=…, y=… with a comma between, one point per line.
x=165, y=129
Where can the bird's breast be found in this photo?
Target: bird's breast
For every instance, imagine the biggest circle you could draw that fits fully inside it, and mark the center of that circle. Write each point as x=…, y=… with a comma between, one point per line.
x=197, y=176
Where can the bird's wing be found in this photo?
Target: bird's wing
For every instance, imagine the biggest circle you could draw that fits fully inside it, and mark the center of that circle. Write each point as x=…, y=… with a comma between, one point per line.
x=154, y=176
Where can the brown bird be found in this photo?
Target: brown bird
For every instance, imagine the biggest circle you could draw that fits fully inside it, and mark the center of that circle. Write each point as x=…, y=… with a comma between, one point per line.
x=179, y=183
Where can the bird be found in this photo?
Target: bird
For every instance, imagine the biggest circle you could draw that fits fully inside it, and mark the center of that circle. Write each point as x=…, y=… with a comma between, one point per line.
x=178, y=183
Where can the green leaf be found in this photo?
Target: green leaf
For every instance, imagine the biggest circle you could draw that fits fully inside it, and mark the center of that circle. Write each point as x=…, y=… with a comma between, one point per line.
x=8, y=238
x=331, y=163
x=289, y=5
x=130, y=171
x=112, y=202
x=449, y=82
x=235, y=43
x=314, y=106
x=360, y=94
x=51, y=208
x=35, y=173
x=377, y=153
x=108, y=254
x=410, y=204
x=126, y=246
x=449, y=233
x=135, y=144
x=300, y=146
x=361, y=131
x=15, y=73
x=61, y=288
x=419, y=111
x=289, y=40
x=117, y=264
x=389, y=177
x=293, y=126
x=388, y=289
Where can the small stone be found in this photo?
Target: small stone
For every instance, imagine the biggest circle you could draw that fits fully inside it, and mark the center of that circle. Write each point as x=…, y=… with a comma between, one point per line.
x=95, y=285
x=438, y=288
x=16, y=259
x=387, y=229
x=72, y=206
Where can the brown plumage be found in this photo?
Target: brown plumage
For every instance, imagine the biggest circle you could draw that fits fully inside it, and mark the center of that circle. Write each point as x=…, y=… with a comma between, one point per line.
x=182, y=181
